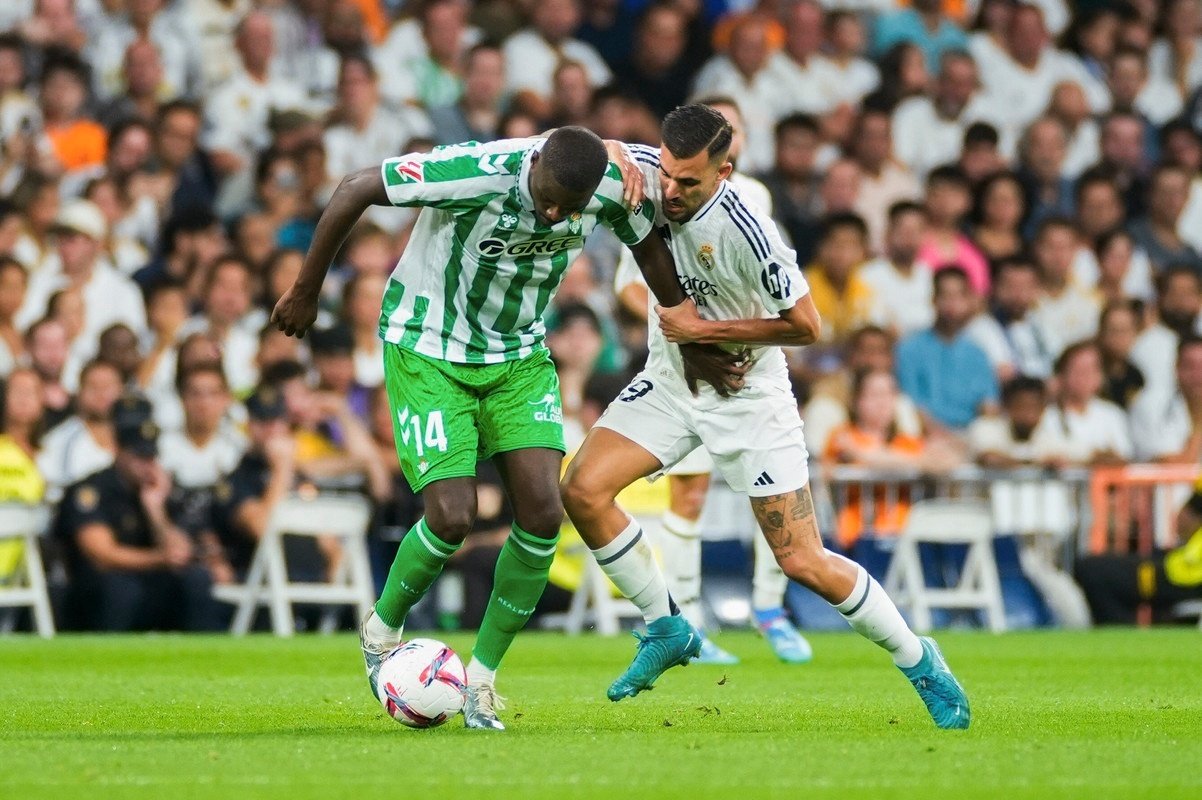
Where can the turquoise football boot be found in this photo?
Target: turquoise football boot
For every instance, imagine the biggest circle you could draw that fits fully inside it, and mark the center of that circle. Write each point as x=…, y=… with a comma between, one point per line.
x=787, y=642
x=944, y=697
x=669, y=641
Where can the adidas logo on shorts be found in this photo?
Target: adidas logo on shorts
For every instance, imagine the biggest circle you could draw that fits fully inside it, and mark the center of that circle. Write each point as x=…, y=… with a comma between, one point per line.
x=764, y=480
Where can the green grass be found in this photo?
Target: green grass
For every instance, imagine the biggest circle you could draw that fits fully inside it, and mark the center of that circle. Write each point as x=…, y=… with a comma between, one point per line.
x=1114, y=714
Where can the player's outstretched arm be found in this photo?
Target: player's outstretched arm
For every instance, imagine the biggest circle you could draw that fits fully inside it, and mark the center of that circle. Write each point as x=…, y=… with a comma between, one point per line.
x=797, y=325
x=297, y=309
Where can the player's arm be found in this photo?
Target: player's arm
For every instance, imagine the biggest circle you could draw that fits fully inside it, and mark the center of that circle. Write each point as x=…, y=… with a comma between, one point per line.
x=798, y=325
x=297, y=309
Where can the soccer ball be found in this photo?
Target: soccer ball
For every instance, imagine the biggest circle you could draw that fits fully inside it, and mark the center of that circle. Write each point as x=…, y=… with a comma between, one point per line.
x=422, y=683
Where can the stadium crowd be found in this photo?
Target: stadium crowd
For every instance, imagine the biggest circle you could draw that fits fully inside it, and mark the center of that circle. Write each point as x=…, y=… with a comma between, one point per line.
x=998, y=206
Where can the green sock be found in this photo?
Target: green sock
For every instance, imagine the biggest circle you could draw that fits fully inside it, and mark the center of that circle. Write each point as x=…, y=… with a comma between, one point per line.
x=419, y=560
x=520, y=579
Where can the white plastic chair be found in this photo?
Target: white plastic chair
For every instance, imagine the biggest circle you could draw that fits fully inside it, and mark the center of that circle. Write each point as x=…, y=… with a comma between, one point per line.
x=947, y=522
x=26, y=523
x=345, y=517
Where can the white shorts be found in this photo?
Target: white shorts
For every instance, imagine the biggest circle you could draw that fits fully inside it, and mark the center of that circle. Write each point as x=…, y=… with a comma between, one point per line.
x=754, y=437
x=697, y=462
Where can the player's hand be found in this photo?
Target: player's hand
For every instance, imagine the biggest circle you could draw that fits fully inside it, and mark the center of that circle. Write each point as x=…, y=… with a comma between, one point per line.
x=295, y=313
x=722, y=369
x=632, y=175
x=681, y=323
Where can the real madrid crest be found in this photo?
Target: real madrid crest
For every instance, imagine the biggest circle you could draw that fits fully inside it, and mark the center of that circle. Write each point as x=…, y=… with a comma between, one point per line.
x=706, y=256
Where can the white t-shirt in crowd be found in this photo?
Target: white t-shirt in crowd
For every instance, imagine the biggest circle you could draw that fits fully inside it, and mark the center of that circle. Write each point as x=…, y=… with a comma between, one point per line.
x=109, y=297
x=193, y=466
x=530, y=62
x=1160, y=422
x=69, y=453
x=1101, y=426
x=902, y=302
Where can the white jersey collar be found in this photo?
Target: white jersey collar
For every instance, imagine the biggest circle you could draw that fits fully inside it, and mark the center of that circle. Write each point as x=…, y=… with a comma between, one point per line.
x=524, y=195
x=723, y=189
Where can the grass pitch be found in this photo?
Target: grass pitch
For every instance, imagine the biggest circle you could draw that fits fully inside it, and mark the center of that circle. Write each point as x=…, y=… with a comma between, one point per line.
x=1114, y=714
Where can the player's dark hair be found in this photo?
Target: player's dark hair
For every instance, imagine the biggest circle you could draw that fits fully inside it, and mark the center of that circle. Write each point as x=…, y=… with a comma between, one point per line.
x=843, y=220
x=952, y=272
x=1022, y=385
x=576, y=158
x=688, y=130
x=903, y=207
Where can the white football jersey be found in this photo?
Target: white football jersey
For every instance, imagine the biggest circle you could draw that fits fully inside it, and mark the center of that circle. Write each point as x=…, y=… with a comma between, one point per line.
x=731, y=261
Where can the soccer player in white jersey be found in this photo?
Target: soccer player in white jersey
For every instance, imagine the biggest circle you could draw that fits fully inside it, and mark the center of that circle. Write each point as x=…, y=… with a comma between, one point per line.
x=750, y=295
x=467, y=371
x=689, y=479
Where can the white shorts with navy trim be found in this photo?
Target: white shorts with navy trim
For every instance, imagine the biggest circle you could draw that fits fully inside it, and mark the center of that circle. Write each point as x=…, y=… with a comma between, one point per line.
x=754, y=437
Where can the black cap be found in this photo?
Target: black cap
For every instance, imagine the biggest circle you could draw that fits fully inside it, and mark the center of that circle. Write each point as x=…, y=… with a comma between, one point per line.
x=335, y=341
x=266, y=403
x=134, y=426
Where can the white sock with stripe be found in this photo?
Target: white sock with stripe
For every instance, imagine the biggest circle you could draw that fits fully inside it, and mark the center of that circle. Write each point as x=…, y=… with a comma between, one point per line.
x=870, y=613
x=630, y=564
x=680, y=557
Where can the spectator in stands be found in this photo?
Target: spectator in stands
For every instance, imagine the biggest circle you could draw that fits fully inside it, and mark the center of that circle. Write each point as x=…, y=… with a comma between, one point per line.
x=110, y=296
x=871, y=439
x=48, y=348
x=1123, y=153
x=1118, y=328
x=192, y=239
x=1174, y=57
x=794, y=180
x=883, y=179
x=1115, y=253
x=238, y=110
x=948, y=201
x=1166, y=422
x=227, y=300
x=869, y=348
x=476, y=115
x=13, y=282
x=1066, y=312
x=657, y=71
x=1131, y=89
x=185, y=171
x=17, y=109
x=571, y=95
x=361, y=297
x=118, y=345
x=1092, y=431
x=981, y=157
x=903, y=71
x=37, y=197
x=900, y=282
x=140, y=86
x=83, y=443
x=76, y=141
x=1118, y=585
x=1048, y=191
x=924, y=24
x=531, y=55
x=843, y=299
x=1015, y=438
x=1178, y=317
x=364, y=133
x=1181, y=146
x=998, y=210
x=22, y=423
x=1100, y=214
x=575, y=345
x=1071, y=109
x=132, y=568
x=854, y=76
x=167, y=309
x=948, y=376
x=929, y=131
x=1156, y=233
x=1010, y=335
x=840, y=188
x=333, y=351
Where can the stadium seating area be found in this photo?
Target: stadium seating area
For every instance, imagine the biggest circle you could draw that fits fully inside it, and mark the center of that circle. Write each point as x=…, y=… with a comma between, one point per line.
x=997, y=204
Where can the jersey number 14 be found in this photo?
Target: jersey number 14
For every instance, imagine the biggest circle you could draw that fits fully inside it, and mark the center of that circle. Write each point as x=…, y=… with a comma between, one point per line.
x=411, y=425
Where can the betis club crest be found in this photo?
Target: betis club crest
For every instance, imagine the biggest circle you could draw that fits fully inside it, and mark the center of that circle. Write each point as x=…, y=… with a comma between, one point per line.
x=574, y=223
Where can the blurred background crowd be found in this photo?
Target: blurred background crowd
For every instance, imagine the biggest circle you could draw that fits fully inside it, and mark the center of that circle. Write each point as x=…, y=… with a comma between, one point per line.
x=998, y=206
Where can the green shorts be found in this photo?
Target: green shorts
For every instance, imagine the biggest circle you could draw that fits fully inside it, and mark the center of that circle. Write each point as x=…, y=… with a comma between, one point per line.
x=448, y=416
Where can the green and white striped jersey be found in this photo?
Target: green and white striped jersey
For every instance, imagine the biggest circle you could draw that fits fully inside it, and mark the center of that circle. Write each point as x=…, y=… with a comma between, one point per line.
x=480, y=269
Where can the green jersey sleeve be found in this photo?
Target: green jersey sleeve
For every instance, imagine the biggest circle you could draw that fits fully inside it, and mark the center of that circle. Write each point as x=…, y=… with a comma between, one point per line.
x=631, y=225
x=453, y=177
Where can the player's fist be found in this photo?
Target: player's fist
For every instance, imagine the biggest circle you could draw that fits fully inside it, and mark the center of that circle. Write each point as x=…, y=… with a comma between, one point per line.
x=681, y=323
x=296, y=312
x=722, y=369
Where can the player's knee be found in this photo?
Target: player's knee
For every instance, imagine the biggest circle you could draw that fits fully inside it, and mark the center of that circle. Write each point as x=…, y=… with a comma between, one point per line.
x=809, y=569
x=581, y=495
x=449, y=521
x=543, y=523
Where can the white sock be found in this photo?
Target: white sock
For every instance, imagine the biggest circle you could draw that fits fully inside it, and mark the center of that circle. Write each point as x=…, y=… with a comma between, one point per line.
x=478, y=674
x=680, y=557
x=380, y=633
x=872, y=614
x=768, y=582
x=630, y=564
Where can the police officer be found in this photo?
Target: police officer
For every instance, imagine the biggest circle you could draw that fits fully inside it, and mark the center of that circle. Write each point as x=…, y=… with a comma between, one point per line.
x=131, y=567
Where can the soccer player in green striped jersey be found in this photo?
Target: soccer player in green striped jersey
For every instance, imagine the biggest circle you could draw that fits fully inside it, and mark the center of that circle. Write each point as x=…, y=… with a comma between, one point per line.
x=467, y=372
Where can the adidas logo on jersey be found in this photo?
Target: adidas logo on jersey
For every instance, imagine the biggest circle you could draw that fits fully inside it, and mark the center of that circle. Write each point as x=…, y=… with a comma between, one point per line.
x=764, y=480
